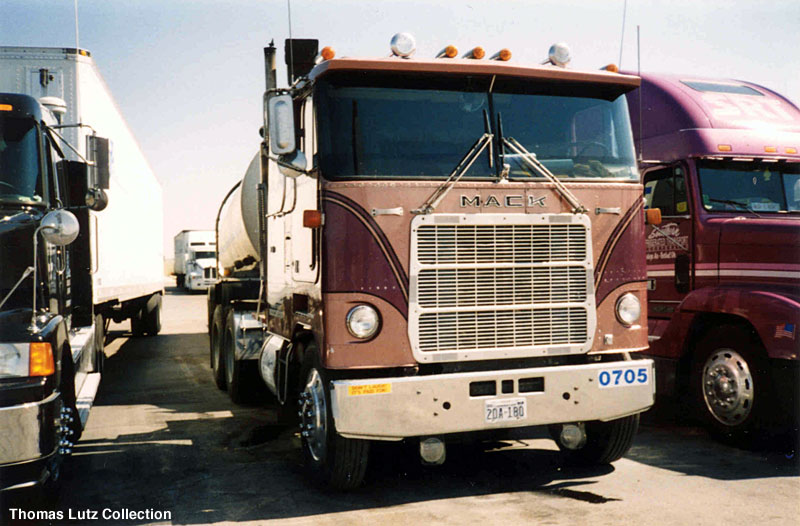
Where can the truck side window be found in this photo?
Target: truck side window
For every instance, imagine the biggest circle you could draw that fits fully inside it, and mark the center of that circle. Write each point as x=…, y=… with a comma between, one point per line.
x=665, y=189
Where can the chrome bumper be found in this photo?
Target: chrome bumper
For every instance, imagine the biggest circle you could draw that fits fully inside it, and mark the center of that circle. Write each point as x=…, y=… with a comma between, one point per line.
x=29, y=430
x=397, y=408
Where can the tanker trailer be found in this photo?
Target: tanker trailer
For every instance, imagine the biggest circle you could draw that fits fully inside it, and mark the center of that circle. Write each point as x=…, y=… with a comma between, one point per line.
x=237, y=267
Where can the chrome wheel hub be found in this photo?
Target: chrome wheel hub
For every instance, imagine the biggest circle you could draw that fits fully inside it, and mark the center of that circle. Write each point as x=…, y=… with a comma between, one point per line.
x=728, y=387
x=314, y=415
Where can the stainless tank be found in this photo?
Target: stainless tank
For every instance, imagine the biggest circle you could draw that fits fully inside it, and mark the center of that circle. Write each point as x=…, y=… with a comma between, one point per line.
x=238, y=225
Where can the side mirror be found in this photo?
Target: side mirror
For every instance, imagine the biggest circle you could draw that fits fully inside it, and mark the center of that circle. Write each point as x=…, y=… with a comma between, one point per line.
x=97, y=199
x=100, y=154
x=59, y=227
x=281, y=124
x=652, y=216
x=293, y=164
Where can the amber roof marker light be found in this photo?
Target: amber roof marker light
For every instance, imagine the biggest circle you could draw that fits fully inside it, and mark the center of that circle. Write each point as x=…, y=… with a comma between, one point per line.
x=326, y=53
x=476, y=53
x=504, y=55
x=448, y=52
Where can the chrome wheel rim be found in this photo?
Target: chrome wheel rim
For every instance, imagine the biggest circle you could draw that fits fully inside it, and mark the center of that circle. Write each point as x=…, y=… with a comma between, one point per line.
x=314, y=416
x=728, y=387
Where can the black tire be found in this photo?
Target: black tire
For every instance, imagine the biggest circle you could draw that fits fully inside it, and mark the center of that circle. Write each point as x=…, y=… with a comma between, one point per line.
x=335, y=461
x=151, y=315
x=137, y=324
x=730, y=384
x=180, y=279
x=606, y=442
x=216, y=336
x=99, y=357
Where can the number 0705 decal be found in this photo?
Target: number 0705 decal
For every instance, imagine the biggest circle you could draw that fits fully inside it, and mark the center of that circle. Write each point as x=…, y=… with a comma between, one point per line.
x=623, y=377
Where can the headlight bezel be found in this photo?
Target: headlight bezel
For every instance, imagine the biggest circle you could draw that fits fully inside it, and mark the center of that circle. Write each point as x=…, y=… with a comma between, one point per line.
x=357, y=313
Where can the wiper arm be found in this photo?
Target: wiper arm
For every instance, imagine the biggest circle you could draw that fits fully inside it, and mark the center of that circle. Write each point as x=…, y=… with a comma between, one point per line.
x=735, y=203
x=533, y=163
x=461, y=168
x=28, y=272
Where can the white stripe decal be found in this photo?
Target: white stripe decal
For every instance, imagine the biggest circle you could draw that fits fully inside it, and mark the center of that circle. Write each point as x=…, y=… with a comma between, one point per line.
x=729, y=273
x=748, y=273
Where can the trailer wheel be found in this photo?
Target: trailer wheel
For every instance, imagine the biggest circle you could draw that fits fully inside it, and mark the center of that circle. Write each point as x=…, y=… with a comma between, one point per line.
x=151, y=315
x=606, y=442
x=730, y=384
x=217, y=362
x=137, y=323
x=338, y=462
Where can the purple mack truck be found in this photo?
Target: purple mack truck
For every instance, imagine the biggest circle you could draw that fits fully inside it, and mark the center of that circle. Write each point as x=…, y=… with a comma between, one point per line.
x=720, y=159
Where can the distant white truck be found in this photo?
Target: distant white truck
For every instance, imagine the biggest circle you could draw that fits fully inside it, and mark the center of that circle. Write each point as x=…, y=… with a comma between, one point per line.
x=81, y=225
x=195, y=259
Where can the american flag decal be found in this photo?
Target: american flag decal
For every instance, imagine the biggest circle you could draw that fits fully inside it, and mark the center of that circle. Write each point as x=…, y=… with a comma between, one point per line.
x=785, y=331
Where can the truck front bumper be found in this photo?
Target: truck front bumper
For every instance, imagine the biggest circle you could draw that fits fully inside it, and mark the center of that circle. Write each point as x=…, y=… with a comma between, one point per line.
x=397, y=408
x=199, y=284
x=28, y=437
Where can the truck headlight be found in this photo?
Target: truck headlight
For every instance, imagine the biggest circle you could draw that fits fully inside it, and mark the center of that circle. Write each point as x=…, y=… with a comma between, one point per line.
x=363, y=321
x=26, y=359
x=628, y=309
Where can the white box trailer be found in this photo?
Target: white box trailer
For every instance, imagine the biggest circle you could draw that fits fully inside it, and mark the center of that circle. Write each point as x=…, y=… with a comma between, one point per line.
x=126, y=237
x=195, y=259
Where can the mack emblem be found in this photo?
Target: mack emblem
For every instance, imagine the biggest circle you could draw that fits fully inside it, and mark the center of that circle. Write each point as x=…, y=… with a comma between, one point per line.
x=509, y=201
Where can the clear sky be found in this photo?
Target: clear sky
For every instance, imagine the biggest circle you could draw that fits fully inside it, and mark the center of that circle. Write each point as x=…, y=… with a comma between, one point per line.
x=189, y=74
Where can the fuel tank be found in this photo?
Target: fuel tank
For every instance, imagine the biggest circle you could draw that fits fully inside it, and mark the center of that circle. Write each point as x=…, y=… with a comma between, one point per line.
x=238, y=225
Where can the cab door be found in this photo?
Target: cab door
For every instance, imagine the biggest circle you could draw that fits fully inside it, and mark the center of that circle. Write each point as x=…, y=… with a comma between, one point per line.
x=668, y=245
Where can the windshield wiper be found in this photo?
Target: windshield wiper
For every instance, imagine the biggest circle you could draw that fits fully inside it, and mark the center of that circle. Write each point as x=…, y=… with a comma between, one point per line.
x=735, y=203
x=533, y=163
x=461, y=168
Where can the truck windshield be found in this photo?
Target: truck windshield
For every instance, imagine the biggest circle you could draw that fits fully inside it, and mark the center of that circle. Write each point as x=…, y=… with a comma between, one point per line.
x=382, y=126
x=760, y=187
x=19, y=161
x=204, y=255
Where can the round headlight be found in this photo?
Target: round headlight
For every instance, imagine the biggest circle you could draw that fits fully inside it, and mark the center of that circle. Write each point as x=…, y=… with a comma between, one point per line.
x=363, y=321
x=628, y=309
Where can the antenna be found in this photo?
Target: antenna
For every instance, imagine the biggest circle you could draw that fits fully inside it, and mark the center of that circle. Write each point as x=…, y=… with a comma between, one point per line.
x=291, y=44
x=641, y=89
x=77, y=42
x=622, y=37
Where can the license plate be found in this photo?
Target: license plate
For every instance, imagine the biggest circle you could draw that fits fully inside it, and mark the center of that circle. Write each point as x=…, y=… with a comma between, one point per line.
x=623, y=376
x=505, y=410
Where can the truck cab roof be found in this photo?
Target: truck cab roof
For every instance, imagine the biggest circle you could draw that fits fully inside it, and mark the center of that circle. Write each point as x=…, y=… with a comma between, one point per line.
x=686, y=116
x=612, y=82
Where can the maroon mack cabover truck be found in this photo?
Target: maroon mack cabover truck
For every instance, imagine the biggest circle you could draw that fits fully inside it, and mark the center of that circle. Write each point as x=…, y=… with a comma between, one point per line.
x=435, y=250
x=721, y=162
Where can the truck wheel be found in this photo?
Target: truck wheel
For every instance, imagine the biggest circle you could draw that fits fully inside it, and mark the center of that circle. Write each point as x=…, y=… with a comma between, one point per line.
x=730, y=384
x=179, y=280
x=217, y=362
x=606, y=442
x=99, y=343
x=151, y=315
x=338, y=462
x=234, y=371
x=137, y=324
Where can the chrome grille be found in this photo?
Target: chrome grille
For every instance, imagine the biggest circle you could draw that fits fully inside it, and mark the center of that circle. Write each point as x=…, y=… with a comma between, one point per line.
x=486, y=286
x=472, y=287
x=441, y=244
x=445, y=331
